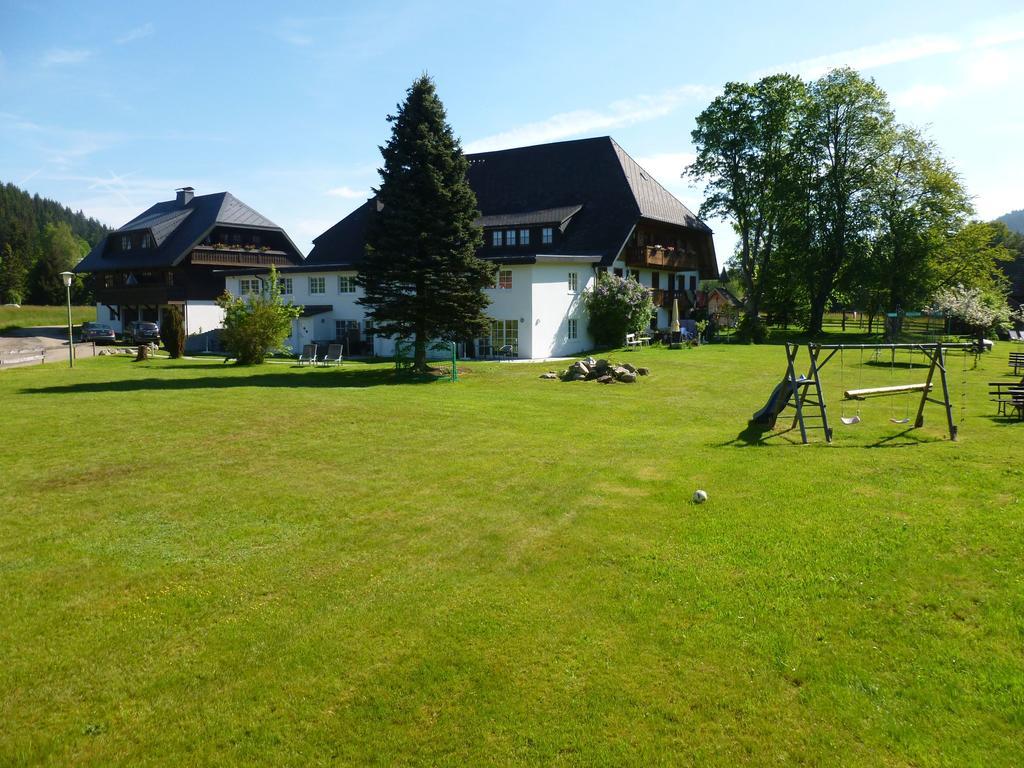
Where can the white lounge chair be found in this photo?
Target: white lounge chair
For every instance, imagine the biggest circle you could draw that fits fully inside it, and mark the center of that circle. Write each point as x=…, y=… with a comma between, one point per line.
x=333, y=355
x=308, y=354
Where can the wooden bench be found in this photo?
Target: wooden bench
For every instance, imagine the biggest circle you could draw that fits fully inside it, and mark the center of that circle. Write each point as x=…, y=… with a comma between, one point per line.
x=632, y=341
x=1007, y=395
x=1016, y=361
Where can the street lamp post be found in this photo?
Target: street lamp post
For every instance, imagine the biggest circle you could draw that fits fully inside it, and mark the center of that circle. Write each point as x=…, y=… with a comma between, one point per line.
x=71, y=341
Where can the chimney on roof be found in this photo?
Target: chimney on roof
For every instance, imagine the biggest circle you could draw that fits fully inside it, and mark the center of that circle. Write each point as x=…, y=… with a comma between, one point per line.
x=185, y=195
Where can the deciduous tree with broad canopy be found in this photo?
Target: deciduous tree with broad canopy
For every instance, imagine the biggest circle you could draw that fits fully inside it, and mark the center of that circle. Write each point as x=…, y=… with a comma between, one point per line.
x=421, y=277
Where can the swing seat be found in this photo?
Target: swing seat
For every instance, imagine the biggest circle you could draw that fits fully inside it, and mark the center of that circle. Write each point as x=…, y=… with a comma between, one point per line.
x=900, y=421
x=860, y=394
x=848, y=420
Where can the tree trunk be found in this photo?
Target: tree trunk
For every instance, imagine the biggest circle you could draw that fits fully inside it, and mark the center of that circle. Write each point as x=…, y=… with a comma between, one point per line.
x=419, y=363
x=818, y=302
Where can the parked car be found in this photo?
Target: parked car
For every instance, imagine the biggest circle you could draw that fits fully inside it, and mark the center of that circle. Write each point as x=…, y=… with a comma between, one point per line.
x=100, y=333
x=142, y=332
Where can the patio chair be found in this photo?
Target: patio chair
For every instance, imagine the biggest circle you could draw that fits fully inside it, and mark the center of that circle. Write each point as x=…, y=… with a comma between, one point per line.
x=333, y=355
x=631, y=341
x=308, y=354
x=506, y=352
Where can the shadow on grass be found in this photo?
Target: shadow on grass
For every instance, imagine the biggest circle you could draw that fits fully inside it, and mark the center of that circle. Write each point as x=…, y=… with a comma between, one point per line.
x=761, y=436
x=338, y=379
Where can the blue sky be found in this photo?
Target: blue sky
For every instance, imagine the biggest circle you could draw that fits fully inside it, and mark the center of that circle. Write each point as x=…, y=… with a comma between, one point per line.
x=110, y=106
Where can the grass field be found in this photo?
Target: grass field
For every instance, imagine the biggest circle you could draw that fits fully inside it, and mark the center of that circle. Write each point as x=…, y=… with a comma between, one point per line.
x=30, y=316
x=210, y=565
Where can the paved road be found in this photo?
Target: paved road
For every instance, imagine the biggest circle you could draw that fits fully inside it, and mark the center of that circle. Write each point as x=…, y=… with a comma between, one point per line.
x=52, y=340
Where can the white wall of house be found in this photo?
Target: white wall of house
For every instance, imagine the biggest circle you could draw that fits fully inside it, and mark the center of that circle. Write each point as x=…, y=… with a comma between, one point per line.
x=539, y=301
x=554, y=304
x=515, y=303
x=201, y=316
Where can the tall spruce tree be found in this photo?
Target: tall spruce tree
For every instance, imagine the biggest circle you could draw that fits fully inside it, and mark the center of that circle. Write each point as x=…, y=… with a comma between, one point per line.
x=421, y=277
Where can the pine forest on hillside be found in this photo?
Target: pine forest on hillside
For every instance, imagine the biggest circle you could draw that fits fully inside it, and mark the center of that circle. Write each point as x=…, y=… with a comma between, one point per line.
x=39, y=239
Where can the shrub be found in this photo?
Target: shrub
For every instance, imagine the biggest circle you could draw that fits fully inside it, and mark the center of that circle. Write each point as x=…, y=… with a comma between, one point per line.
x=617, y=306
x=980, y=310
x=172, y=332
x=257, y=324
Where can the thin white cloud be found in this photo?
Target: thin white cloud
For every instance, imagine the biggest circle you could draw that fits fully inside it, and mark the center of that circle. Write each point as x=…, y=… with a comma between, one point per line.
x=347, y=192
x=977, y=72
x=666, y=167
x=922, y=96
x=138, y=33
x=871, y=56
x=617, y=114
x=986, y=34
x=297, y=39
x=296, y=31
x=66, y=56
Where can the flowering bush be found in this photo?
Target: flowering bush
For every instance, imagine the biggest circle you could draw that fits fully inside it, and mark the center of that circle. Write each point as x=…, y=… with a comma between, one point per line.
x=978, y=309
x=617, y=306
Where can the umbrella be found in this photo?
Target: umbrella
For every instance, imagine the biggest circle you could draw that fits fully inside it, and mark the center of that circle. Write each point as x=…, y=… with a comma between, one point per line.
x=675, y=315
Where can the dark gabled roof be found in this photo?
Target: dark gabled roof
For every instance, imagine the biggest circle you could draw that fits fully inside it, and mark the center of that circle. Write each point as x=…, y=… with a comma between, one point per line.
x=176, y=229
x=344, y=244
x=654, y=200
x=593, y=181
x=556, y=216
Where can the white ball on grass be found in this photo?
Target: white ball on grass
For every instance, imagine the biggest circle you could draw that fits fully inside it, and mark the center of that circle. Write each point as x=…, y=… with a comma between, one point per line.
x=699, y=497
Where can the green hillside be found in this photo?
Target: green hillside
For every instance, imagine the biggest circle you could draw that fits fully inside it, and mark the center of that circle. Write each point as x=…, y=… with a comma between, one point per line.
x=39, y=238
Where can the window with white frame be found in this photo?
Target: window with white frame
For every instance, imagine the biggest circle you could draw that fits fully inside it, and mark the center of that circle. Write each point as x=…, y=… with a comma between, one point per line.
x=510, y=237
x=505, y=279
x=574, y=282
x=317, y=285
x=524, y=237
x=547, y=235
x=573, y=329
x=147, y=241
x=505, y=333
x=346, y=284
x=248, y=285
x=284, y=285
x=126, y=242
x=496, y=238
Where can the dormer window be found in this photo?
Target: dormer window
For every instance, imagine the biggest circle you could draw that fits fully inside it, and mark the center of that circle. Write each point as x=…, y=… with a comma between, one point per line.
x=126, y=242
x=547, y=235
x=147, y=241
x=496, y=238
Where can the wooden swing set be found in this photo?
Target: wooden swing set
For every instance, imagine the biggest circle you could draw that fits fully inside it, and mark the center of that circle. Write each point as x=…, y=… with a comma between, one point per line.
x=804, y=393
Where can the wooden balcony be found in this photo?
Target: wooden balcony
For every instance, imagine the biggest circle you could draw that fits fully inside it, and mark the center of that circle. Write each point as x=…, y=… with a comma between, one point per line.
x=663, y=298
x=239, y=257
x=659, y=257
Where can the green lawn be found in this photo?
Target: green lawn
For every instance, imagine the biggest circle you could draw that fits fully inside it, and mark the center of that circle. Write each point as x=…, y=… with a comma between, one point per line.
x=30, y=316
x=204, y=564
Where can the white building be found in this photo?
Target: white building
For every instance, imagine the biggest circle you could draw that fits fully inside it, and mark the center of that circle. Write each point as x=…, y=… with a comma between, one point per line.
x=172, y=253
x=554, y=216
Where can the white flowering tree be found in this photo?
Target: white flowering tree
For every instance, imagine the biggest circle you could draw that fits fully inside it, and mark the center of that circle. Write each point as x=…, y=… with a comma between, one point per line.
x=980, y=310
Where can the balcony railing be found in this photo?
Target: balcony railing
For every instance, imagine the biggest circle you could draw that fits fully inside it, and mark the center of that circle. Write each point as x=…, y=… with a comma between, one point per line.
x=663, y=298
x=659, y=257
x=239, y=257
